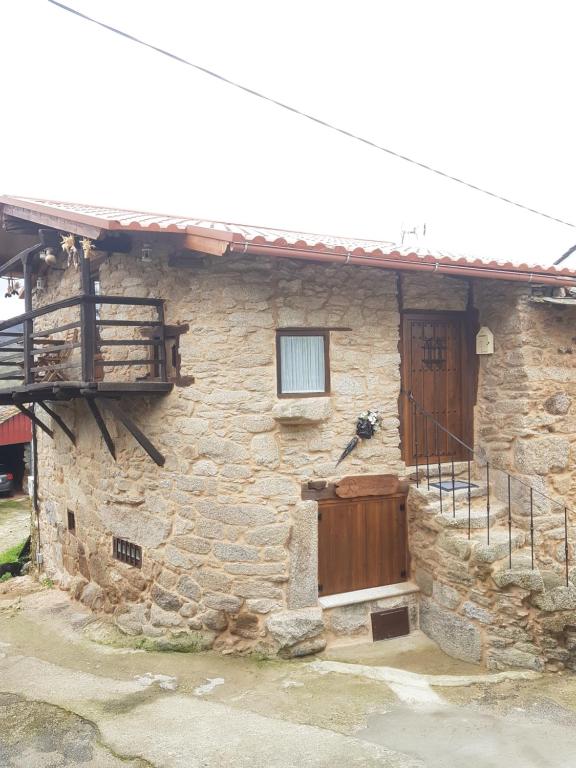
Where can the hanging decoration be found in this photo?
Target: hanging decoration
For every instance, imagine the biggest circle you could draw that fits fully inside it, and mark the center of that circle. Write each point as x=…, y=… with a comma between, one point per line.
x=367, y=424
x=68, y=244
x=88, y=248
x=13, y=288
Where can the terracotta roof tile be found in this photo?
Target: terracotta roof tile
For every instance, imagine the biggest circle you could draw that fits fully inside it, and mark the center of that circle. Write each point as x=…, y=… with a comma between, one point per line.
x=116, y=219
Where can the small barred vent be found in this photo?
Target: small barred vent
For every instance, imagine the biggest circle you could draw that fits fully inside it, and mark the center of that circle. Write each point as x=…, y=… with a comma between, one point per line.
x=127, y=552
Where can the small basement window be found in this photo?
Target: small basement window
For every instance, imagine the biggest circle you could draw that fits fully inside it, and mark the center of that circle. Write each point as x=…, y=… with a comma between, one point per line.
x=71, y=521
x=303, y=362
x=127, y=552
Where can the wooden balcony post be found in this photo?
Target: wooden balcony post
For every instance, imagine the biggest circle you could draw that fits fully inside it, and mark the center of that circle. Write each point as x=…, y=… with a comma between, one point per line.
x=88, y=322
x=162, y=366
x=28, y=324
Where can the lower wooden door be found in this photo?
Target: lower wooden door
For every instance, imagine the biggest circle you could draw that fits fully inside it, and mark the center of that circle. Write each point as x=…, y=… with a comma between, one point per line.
x=362, y=543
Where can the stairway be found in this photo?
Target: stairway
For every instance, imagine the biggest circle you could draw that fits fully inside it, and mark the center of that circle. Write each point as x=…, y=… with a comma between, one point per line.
x=489, y=593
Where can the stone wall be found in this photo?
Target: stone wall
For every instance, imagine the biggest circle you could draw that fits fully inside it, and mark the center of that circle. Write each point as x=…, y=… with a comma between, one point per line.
x=524, y=420
x=229, y=547
x=473, y=604
x=480, y=610
x=439, y=293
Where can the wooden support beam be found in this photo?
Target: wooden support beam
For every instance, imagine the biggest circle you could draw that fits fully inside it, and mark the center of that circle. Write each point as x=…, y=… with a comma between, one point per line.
x=88, y=320
x=102, y=426
x=211, y=245
x=136, y=433
x=28, y=324
x=77, y=224
x=34, y=419
x=60, y=421
x=119, y=243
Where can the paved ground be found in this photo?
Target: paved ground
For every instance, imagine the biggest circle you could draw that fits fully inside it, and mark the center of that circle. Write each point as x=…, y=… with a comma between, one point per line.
x=14, y=522
x=66, y=701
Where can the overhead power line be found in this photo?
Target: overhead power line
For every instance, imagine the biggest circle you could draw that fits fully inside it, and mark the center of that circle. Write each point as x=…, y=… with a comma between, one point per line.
x=312, y=118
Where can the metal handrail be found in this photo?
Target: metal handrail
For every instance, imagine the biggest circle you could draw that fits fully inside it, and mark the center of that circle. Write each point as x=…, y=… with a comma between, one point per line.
x=509, y=477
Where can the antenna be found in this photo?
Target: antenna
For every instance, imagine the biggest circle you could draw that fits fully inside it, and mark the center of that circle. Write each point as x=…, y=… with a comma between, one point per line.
x=413, y=232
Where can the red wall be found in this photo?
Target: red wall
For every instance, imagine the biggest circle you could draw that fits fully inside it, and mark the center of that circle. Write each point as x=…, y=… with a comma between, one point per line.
x=17, y=429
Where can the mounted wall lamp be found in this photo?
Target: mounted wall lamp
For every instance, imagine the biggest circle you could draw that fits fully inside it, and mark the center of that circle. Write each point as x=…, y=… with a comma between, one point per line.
x=146, y=252
x=41, y=284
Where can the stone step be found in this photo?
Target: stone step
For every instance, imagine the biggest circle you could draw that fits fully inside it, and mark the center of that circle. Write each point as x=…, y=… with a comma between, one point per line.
x=460, y=468
x=478, y=516
x=498, y=548
x=478, y=549
x=522, y=561
x=460, y=497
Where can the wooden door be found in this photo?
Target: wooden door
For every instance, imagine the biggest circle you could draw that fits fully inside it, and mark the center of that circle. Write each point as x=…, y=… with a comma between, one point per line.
x=437, y=369
x=362, y=543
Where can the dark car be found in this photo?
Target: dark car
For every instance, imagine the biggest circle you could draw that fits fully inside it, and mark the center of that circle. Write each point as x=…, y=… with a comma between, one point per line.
x=6, y=480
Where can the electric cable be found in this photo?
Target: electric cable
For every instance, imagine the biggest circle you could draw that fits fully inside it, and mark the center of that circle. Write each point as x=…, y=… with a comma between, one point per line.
x=312, y=118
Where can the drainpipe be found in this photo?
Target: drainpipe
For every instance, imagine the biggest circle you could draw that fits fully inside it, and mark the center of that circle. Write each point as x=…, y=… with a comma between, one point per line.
x=35, y=505
x=398, y=263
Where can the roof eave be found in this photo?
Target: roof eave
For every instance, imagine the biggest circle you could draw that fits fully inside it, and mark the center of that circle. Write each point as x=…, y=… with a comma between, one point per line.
x=408, y=262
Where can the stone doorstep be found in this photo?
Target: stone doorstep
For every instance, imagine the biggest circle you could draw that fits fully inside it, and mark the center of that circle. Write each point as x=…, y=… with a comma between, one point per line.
x=347, y=616
x=368, y=595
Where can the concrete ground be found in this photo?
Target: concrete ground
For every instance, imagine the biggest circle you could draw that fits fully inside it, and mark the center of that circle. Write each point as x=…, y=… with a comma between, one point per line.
x=67, y=701
x=14, y=521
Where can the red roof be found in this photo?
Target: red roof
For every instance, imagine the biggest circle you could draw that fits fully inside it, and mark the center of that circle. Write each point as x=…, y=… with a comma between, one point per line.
x=116, y=219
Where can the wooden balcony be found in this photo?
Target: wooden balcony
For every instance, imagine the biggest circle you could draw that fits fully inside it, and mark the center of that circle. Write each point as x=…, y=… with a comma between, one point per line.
x=84, y=346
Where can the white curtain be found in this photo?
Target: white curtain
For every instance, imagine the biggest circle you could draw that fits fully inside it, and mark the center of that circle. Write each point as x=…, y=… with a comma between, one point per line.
x=302, y=364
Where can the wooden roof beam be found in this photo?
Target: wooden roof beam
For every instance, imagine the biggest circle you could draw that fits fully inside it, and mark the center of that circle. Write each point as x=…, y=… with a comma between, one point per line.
x=210, y=245
x=55, y=222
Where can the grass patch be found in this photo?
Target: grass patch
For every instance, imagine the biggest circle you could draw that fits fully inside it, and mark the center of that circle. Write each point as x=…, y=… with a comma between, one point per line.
x=11, y=555
x=11, y=505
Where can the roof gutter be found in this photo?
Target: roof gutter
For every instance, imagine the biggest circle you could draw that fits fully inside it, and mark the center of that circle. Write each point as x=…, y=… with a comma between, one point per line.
x=398, y=263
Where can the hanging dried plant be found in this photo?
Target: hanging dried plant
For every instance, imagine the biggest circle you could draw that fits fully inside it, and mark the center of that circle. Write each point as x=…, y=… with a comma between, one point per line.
x=88, y=248
x=68, y=245
x=13, y=288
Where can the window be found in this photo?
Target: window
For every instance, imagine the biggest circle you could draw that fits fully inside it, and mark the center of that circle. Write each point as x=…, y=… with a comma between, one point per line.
x=71, y=521
x=95, y=286
x=303, y=362
x=127, y=552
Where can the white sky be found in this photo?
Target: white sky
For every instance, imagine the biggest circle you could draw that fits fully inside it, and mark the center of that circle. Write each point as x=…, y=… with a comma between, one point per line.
x=483, y=90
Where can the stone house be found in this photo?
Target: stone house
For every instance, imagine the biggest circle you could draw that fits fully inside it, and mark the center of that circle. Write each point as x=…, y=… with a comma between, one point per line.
x=193, y=385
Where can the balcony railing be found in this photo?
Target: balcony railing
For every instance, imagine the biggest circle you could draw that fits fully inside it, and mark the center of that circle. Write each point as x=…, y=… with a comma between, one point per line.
x=84, y=340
